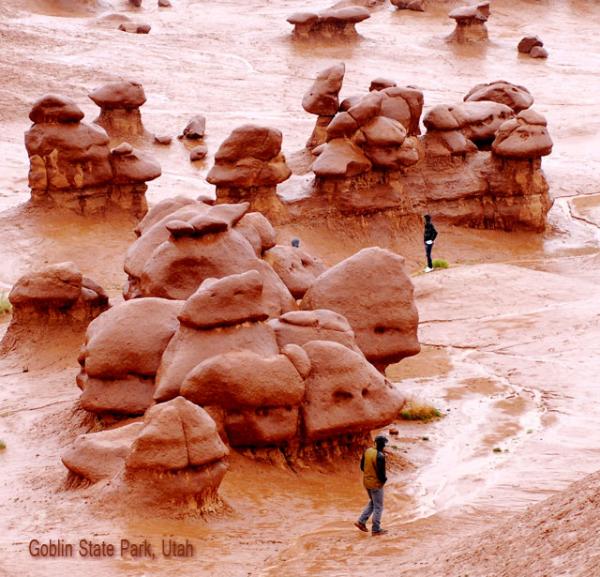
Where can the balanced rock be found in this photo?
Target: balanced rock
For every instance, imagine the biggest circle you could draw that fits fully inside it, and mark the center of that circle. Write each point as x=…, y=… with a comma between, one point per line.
x=470, y=23
x=372, y=290
x=513, y=95
x=120, y=104
x=331, y=23
x=248, y=166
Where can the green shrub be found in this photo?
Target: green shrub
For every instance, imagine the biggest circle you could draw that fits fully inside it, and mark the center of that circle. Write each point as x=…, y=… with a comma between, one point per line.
x=440, y=263
x=417, y=411
x=5, y=306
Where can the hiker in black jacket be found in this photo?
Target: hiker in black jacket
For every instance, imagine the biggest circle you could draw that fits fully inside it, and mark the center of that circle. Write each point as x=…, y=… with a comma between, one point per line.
x=429, y=237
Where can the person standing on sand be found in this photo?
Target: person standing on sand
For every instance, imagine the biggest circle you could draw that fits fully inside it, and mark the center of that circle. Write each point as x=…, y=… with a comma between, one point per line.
x=430, y=235
x=372, y=465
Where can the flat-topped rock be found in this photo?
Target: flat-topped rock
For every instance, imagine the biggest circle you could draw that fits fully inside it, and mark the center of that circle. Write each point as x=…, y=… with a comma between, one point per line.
x=513, y=95
x=525, y=136
x=329, y=23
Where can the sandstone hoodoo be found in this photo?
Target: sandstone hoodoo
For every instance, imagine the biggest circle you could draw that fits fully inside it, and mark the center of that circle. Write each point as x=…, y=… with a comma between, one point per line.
x=190, y=243
x=122, y=353
x=513, y=95
x=470, y=23
x=322, y=99
x=332, y=23
x=416, y=5
x=256, y=377
x=375, y=160
x=55, y=297
x=174, y=456
x=71, y=165
x=248, y=167
x=120, y=104
x=372, y=290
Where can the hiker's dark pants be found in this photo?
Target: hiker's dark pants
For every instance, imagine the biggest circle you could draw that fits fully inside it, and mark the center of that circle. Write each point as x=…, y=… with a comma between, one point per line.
x=428, y=248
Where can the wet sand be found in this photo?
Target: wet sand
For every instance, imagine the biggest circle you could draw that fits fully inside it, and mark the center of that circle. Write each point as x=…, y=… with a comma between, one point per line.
x=510, y=331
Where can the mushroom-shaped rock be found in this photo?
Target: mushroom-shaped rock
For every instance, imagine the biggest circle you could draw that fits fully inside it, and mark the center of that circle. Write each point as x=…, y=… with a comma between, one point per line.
x=248, y=167
x=199, y=337
x=296, y=268
x=444, y=133
x=178, y=454
x=101, y=455
x=372, y=290
x=122, y=354
x=344, y=393
x=53, y=108
x=513, y=95
x=71, y=165
x=131, y=166
x=470, y=23
x=329, y=23
x=119, y=104
x=58, y=298
x=301, y=327
x=525, y=136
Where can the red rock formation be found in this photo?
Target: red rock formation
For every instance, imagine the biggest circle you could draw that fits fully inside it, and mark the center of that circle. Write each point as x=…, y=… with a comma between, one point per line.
x=372, y=290
x=175, y=455
x=513, y=95
x=331, y=24
x=72, y=167
x=527, y=43
x=55, y=297
x=120, y=104
x=122, y=354
x=416, y=5
x=135, y=27
x=248, y=167
x=470, y=23
x=322, y=98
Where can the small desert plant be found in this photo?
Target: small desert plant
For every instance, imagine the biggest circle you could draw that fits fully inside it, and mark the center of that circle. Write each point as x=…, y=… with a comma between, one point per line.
x=5, y=306
x=418, y=411
x=2, y=445
x=497, y=450
x=440, y=263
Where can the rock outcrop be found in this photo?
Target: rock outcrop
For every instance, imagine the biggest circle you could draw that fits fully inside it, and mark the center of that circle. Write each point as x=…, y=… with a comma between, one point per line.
x=416, y=5
x=372, y=290
x=120, y=104
x=513, y=95
x=248, y=167
x=135, y=27
x=374, y=160
x=322, y=99
x=470, y=23
x=174, y=456
x=71, y=165
x=331, y=23
x=180, y=248
x=55, y=297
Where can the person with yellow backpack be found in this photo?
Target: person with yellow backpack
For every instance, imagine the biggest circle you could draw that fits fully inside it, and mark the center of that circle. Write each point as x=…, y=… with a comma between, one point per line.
x=372, y=465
